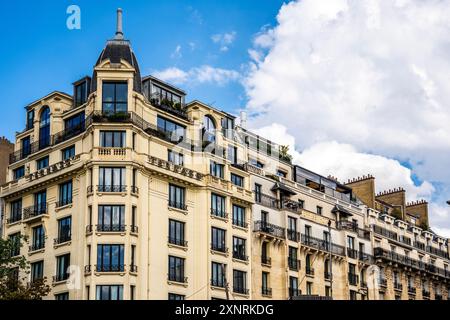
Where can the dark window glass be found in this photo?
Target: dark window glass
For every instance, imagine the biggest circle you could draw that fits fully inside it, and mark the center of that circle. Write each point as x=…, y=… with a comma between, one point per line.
x=42, y=163
x=109, y=292
x=111, y=218
x=176, y=269
x=173, y=296
x=68, y=153
x=172, y=130
x=30, y=119
x=217, y=169
x=176, y=233
x=37, y=271
x=232, y=154
x=239, y=216
x=115, y=97
x=110, y=258
x=218, y=274
x=112, y=139
x=237, y=180
x=62, y=265
x=44, y=128
x=81, y=93
x=176, y=158
x=111, y=179
x=239, y=251
x=64, y=229
x=239, y=281
x=218, y=205
x=16, y=211
x=15, y=241
x=38, y=238
x=177, y=197
x=62, y=296
x=65, y=193
x=26, y=147
x=40, y=202
x=19, y=173
x=218, y=239
x=258, y=192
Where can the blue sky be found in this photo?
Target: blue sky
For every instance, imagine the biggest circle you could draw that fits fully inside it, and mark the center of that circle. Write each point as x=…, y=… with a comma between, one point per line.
x=39, y=53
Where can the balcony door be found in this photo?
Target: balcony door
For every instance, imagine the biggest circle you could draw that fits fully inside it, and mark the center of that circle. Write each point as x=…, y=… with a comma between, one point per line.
x=44, y=128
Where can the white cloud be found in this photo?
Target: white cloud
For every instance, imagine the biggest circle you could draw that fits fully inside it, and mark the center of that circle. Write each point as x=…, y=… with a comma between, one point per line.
x=224, y=39
x=198, y=75
x=176, y=54
x=365, y=79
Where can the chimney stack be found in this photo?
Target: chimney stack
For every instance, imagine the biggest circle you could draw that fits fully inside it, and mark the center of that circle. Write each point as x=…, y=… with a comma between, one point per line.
x=119, y=31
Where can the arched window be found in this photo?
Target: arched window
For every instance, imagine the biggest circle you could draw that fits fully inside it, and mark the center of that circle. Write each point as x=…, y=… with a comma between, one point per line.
x=209, y=129
x=44, y=128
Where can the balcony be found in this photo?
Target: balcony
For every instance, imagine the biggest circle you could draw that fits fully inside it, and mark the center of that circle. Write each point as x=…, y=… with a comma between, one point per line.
x=111, y=152
x=383, y=282
x=177, y=205
x=240, y=256
x=112, y=188
x=266, y=261
x=293, y=264
x=322, y=245
x=218, y=283
x=177, y=278
x=35, y=211
x=64, y=238
x=384, y=232
x=219, y=248
x=14, y=217
x=398, y=286
x=60, y=277
x=425, y=293
x=240, y=290
x=411, y=289
x=437, y=252
x=178, y=242
x=353, y=279
x=352, y=253
x=293, y=235
x=38, y=244
x=176, y=108
x=110, y=228
x=219, y=213
x=266, y=200
x=110, y=268
x=405, y=240
x=419, y=245
x=309, y=271
x=365, y=258
x=240, y=223
x=267, y=292
x=63, y=202
x=294, y=292
x=269, y=229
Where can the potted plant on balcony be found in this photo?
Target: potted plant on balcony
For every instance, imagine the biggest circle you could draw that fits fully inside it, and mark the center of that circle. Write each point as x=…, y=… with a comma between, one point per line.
x=284, y=154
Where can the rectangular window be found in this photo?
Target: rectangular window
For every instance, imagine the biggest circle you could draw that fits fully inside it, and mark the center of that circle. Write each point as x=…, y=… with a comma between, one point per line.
x=111, y=218
x=18, y=173
x=240, y=282
x=309, y=288
x=216, y=169
x=37, y=271
x=265, y=283
x=218, y=274
x=177, y=197
x=319, y=210
x=171, y=130
x=281, y=173
x=68, y=153
x=308, y=231
x=42, y=163
x=30, y=119
x=293, y=287
x=109, y=292
x=327, y=291
x=176, y=269
x=112, y=139
x=16, y=211
x=64, y=230
x=115, y=97
x=26, y=147
x=74, y=124
x=232, y=154
x=218, y=240
x=176, y=233
x=173, y=296
x=81, y=93
x=38, y=242
x=110, y=258
x=175, y=158
x=132, y=293
x=65, y=194
x=218, y=205
x=227, y=127
x=15, y=241
x=292, y=229
x=239, y=216
x=258, y=192
x=239, y=251
x=237, y=180
x=111, y=180
x=62, y=296
x=62, y=264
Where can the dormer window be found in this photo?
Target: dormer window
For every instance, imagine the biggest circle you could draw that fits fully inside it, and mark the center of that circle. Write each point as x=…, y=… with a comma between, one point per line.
x=115, y=97
x=81, y=92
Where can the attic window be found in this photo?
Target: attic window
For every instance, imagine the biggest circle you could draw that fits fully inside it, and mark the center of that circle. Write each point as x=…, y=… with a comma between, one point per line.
x=115, y=97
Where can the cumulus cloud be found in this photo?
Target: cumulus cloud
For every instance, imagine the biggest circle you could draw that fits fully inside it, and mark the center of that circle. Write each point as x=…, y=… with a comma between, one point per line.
x=224, y=39
x=360, y=83
x=198, y=75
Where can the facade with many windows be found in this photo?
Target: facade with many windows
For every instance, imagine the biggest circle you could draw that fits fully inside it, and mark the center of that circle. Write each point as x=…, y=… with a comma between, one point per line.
x=124, y=191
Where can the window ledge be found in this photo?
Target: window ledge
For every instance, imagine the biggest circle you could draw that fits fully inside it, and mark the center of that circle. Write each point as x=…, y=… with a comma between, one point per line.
x=121, y=273
x=220, y=253
x=36, y=252
x=240, y=228
x=112, y=233
x=181, y=284
x=219, y=218
x=171, y=245
x=59, y=245
x=67, y=206
x=12, y=224
x=185, y=212
x=100, y=194
x=218, y=288
x=241, y=261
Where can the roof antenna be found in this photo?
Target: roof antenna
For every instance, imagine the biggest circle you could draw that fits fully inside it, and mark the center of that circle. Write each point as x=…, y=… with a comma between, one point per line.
x=119, y=31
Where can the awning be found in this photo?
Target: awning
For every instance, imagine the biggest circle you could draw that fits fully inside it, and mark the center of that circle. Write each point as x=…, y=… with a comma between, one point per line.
x=341, y=210
x=283, y=188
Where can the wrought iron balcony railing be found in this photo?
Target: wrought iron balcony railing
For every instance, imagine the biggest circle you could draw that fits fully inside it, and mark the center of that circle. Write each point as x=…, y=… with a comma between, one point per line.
x=112, y=188
x=294, y=264
x=110, y=268
x=353, y=279
x=35, y=211
x=270, y=229
x=178, y=242
x=110, y=228
x=177, y=205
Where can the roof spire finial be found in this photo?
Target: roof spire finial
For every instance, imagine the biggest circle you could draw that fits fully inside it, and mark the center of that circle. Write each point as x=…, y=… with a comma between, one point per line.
x=119, y=31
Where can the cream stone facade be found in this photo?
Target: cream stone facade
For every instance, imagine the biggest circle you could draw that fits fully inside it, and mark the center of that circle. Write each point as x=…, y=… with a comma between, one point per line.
x=124, y=191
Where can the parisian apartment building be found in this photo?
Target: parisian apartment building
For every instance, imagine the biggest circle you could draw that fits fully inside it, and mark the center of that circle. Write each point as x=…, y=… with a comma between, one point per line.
x=126, y=191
